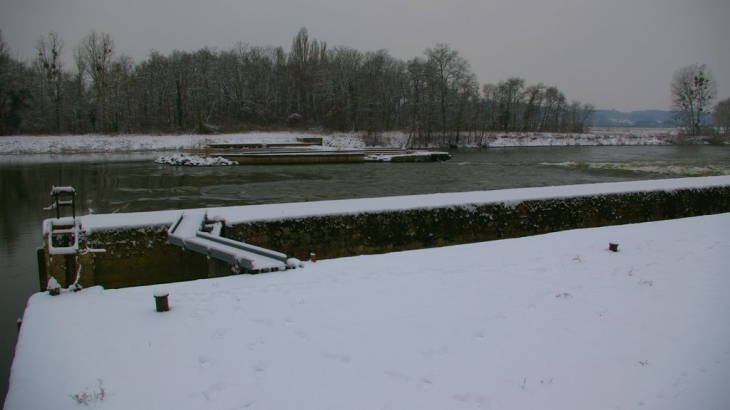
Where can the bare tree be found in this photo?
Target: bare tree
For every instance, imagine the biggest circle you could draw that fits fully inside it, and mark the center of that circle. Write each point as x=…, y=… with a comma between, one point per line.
x=554, y=106
x=305, y=61
x=693, y=90
x=511, y=95
x=578, y=116
x=121, y=94
x=490, y=101
x=97, y=51
x=534, y=95
x=5, y=82
x=49, y=65
x=416, y=105
x=450, y=71
x=467, y=96
x=342, y=88
x=15, y=95
x=721, y=116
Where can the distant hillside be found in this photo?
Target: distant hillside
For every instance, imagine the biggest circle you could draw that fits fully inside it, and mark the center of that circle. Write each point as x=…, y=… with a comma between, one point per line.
x=637, y=119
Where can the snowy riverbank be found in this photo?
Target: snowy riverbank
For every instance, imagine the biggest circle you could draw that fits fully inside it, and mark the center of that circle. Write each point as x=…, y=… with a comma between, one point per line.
x=552, y=321
x=198, y=143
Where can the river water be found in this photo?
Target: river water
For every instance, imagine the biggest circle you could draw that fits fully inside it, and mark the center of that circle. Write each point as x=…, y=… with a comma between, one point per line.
x=134, y=183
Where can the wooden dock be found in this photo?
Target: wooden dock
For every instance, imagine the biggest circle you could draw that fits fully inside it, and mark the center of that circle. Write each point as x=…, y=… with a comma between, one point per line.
x=236, y=145
x=302, y=142
x=283, y=156
x=304, y=155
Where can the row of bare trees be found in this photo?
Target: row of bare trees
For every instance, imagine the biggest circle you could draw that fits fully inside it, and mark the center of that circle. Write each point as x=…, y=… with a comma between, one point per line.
x=435, y=97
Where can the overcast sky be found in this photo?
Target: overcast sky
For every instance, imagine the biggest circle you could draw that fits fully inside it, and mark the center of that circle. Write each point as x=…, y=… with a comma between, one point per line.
x=612, y=53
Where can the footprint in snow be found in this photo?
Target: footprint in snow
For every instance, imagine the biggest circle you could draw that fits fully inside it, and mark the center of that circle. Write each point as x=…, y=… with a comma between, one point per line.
x=301, y=334
x=334, y=356
x=263, y=321
x=253, y=345
x=212, y=392
x=425, y=384
x=218, y=334
x=431, y=353
x=204, y=361
x=478, y=399
x=396, y=375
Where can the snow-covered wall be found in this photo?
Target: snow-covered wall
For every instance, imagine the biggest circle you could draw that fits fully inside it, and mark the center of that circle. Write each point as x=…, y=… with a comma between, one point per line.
x=141, y=256
x=334, y=236
x=123, y=257
x=137, y=252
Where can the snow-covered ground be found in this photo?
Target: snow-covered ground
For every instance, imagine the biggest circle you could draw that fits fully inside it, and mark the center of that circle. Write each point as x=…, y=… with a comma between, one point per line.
x=74, y=144
x=551, y=322
x=140, y=143
x=496, y=140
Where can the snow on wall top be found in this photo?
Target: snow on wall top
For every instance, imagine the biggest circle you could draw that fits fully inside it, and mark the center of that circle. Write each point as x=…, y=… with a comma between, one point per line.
x=62, y=190
x=250, y=213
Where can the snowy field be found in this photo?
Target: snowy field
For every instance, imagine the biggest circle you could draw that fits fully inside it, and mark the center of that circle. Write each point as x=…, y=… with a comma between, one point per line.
x=546, y=322
x=141, y=143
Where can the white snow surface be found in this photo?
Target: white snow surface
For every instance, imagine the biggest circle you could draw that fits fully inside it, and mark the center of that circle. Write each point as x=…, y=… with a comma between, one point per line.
x=389, y=157
x=546, y=322
x=75, y=144
x=250, y=213
x=160, y=292
x=53, y=284
x=497, y=140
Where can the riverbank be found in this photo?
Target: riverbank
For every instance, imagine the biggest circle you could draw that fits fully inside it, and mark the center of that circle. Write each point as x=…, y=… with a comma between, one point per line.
x=77, y=144
x=507, y=324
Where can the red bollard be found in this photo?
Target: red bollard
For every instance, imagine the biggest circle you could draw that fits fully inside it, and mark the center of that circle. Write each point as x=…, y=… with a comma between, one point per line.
x=161, y=302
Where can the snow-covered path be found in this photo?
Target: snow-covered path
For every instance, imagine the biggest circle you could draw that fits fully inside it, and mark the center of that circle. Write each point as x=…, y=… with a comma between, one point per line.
x=552, y=322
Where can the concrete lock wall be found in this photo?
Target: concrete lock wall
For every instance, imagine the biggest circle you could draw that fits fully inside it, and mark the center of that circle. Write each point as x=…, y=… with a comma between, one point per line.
x=142, y=256
x=131, y=257
x=348, y=235
x=137, y=257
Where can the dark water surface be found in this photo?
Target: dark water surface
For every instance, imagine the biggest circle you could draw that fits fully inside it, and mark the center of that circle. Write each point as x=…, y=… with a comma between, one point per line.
x=134, y=183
